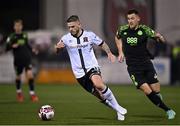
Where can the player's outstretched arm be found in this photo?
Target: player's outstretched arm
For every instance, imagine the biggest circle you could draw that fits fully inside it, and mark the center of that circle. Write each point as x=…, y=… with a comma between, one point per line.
x=106, y=48
x=120, y=51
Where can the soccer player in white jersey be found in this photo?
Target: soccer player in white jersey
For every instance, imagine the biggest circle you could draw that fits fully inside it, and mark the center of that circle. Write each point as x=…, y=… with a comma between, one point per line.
x=78, y=43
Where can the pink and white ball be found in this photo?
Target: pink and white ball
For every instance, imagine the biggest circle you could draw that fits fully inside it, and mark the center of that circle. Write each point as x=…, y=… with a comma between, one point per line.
x=46, y=112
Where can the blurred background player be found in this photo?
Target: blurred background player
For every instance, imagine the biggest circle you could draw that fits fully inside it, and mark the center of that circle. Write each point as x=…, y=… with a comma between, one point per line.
x=131, y=40
x=22, y=52
x=79, y=44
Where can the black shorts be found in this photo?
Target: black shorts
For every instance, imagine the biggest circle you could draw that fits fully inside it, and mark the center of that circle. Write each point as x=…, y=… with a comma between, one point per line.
x=20, y=66
x=142, y=74
x=86, y=82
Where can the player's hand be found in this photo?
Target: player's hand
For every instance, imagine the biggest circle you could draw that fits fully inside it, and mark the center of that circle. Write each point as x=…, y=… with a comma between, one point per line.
x=111, y=57
x=59, y=46
x=15, y=45
x=121, y=57
x=160, y=37
x=35, y=51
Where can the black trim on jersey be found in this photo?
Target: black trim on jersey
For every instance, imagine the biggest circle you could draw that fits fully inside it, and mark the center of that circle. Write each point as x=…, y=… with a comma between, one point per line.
x=101, y=43
x=79, y=35
x=81, y=58
x=80, y=53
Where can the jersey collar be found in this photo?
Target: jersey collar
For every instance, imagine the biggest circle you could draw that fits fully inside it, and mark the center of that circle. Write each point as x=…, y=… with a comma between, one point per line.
x=82, y=31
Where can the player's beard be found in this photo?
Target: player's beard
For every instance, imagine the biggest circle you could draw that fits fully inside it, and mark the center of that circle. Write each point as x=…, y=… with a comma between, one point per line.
x=133, y=25
x=75, y=33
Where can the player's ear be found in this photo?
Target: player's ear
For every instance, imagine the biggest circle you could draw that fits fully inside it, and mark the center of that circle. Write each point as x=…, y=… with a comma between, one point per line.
x=79, y=23
x=138, y=18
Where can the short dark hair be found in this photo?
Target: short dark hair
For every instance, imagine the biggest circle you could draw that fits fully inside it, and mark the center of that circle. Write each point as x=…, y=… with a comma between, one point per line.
x=72, y=18
x=132, y=11
x=18, y=21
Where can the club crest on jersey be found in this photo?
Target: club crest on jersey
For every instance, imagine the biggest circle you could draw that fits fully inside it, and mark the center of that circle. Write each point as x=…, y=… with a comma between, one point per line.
x=140, y=32
x=85, y=39
x=125, y=33
x=70, y=41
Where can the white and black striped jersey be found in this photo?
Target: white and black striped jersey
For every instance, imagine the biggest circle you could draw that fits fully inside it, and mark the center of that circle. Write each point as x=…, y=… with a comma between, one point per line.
x=81, y=53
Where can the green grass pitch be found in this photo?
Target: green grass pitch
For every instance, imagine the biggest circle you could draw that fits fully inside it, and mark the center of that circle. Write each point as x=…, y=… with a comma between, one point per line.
x=74, y=106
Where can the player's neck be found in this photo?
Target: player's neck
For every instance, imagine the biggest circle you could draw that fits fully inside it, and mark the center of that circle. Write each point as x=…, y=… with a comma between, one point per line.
x=18, y=32
x=135, y=28
x=80, y=33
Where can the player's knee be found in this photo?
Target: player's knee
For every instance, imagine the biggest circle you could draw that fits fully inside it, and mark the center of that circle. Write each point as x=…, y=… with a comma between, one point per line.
x=100, y=87
x=18, y=77
x=155, y=87
x=146, y=89
x=30, y=75
x=156, y=91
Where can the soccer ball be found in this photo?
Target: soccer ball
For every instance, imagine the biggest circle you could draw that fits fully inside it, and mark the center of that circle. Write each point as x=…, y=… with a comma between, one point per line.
x=46, y=112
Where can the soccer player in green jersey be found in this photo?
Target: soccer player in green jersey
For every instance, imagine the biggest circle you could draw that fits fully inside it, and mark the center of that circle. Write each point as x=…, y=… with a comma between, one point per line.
x=18, y=43
x=131, y=40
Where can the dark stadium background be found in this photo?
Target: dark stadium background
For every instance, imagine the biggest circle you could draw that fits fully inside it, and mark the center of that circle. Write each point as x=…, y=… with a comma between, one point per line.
x=28, y=10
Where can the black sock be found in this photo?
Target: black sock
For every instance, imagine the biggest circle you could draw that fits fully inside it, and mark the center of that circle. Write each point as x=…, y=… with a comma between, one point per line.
x=31, y=84
x=159, y=95
x=18, y=84
x=157, y=101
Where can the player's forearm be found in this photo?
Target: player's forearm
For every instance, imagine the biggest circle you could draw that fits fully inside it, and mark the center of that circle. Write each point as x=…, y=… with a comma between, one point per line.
x=60, y=45
x=106, y=48
x=56, y=49
x=119, y=45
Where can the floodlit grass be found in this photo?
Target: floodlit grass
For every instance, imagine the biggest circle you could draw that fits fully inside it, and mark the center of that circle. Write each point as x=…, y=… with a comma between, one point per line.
x=74, y=106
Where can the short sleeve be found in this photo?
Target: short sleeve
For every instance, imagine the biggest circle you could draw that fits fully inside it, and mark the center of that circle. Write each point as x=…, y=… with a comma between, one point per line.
x=120, y=30
x=9, y=38
x=25, y=35
x=95, y=39
x=118, y=33
x=149, y=32
x=9, y=42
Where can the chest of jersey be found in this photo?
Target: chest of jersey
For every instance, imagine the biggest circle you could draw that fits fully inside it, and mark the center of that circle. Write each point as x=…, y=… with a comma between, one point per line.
x=19, y=39
x=134, y=38
x=83, y=43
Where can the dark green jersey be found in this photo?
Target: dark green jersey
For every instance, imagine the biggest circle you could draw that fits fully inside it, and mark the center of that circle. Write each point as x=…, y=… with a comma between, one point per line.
x=134, y=43
x=23, y=51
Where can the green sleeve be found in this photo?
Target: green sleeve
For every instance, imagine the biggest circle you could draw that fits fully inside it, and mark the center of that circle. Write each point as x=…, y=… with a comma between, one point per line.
x=9, y=42
x=120, y=30
x=149, y=32
x=25, y=36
